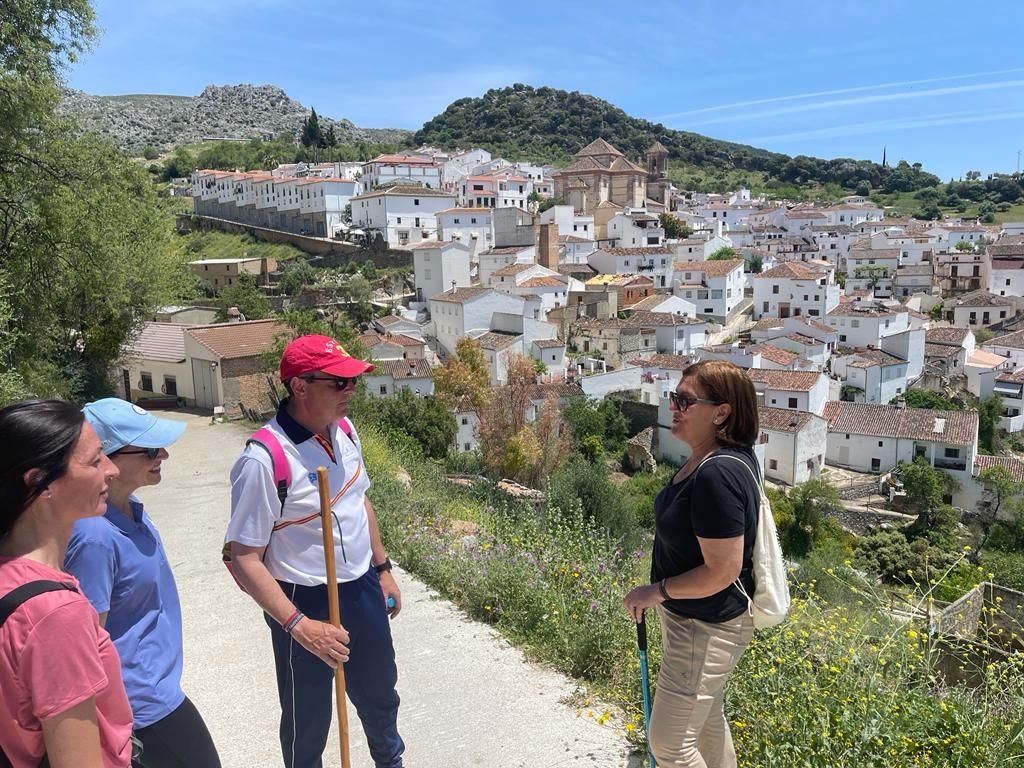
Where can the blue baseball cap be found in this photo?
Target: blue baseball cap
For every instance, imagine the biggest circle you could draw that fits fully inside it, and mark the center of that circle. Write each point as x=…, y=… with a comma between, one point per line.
x=119, y=423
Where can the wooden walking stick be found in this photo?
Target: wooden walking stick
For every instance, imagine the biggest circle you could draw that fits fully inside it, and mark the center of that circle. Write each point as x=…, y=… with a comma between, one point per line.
x=333, y=611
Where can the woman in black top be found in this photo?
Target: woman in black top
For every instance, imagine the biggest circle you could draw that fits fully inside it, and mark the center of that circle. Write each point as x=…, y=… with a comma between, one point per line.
x=705, y=521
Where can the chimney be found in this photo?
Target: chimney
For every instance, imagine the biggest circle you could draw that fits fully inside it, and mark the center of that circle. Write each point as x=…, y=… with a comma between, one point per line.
x=453, y=286
x=547, y=246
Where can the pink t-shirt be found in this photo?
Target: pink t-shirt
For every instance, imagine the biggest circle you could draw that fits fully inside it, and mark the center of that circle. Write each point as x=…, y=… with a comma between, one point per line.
x=54, y=655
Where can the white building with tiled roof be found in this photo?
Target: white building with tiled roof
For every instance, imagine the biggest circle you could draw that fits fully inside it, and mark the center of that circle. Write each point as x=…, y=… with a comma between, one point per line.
x=716, y=288
x=872, y=269
x=874, y=438
x=861, y=323
x=460, y=312
x=974, y=496
x=662, y=302
x=402, y=215
x=388, y=376
x=473, y=227
x=794, y=288
x=1009, y=346
x=493, y=259
x=438, y=266
x=870, y=375
x=794, y=444
x=154, y=365
x=793, y=390
x=407, y=168
x=654, y=262
x=1009, y=385
x=978, y=309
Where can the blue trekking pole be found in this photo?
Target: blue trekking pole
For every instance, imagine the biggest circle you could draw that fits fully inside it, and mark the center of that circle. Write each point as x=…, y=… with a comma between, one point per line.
x=641, y=642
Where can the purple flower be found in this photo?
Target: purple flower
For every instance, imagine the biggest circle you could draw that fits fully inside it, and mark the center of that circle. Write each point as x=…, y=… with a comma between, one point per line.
x=594, y=606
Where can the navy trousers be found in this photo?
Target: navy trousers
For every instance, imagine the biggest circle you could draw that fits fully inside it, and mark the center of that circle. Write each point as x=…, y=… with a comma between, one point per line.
x=305, y=684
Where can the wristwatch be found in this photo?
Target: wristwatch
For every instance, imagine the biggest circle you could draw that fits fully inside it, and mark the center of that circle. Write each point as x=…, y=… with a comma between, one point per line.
x=385, y=566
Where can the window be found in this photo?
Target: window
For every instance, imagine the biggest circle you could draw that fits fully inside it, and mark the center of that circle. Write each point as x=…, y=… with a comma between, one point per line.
x=792, y=402
x=952, y=453
x=465, y=421
x=879, y=443
x=170, y=385
x=399, y=220
x=764, y=437
x=773, y=464
x=146, y=382
x=842, y=337
x=415, y=202
x=775, y=289
x=383, y=389
x=465, y=446
x=455, y=221
x=855, y=323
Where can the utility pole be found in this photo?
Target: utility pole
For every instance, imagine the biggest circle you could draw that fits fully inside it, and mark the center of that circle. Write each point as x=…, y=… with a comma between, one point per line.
x=1018, y=161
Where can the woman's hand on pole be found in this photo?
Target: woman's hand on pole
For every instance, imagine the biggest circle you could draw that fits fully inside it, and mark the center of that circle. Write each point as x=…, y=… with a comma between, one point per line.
x=328, y=642
x=639, y=599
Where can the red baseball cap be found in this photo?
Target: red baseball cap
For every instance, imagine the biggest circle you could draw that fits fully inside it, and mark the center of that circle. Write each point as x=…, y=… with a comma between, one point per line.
x=308, y=354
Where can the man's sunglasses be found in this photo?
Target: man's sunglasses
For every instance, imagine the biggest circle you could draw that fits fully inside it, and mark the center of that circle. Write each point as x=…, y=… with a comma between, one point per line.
x=682, y=402
x=151, y=453
x=340, y=382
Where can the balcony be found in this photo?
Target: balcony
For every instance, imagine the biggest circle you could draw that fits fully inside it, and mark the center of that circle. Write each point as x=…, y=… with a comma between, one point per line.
x=957, y=465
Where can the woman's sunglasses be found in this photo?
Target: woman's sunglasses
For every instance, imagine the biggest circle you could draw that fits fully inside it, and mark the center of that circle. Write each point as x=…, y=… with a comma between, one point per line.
x=340, y=382
x=682, y=402
x=151, y=453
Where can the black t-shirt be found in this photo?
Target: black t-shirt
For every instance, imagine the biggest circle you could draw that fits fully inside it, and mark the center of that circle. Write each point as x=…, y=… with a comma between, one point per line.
x=718, y=501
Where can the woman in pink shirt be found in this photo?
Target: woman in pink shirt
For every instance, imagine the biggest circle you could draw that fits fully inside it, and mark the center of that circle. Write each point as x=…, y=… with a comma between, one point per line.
x=61, y=695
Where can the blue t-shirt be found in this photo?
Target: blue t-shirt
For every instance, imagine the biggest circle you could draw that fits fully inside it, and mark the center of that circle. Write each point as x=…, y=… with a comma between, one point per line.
x=124, y=572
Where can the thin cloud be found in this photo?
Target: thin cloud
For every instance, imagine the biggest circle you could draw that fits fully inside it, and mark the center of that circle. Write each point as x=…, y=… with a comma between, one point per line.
x=877, y=98
x=836, y=92
x=884, y=126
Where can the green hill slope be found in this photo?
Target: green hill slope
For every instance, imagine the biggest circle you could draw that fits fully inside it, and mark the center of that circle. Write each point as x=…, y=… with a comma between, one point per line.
x=549, y=124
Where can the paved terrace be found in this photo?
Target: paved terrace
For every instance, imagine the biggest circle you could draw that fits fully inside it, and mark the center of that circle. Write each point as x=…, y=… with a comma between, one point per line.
x=468, y=697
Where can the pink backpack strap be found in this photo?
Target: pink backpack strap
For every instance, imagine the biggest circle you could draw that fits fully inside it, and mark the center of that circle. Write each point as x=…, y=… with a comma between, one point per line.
x=346, y=427
x=268, y=441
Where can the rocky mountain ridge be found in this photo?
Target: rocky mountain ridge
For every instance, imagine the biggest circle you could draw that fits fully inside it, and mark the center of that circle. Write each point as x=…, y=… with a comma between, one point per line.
x=225, y=112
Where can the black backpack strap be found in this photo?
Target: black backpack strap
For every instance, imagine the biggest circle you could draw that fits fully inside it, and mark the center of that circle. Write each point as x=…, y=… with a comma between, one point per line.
x=9, y=603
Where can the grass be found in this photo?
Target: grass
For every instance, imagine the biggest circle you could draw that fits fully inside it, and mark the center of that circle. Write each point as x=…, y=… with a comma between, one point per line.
x=221, y=245
x=905, y=204
x=840, y=682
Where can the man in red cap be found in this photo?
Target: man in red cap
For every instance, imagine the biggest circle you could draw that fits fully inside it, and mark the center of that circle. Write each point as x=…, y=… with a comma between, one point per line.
x=277, y=553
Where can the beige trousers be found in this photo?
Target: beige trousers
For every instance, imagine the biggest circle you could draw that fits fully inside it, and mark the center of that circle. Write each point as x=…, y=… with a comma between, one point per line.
x=688, y=725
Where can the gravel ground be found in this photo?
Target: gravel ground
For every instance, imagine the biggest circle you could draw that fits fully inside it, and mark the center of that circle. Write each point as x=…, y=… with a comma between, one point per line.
x=468, y=697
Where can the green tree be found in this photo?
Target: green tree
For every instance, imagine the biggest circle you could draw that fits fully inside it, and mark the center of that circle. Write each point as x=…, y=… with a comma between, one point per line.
x=927, y=398
x=812, y=507
x=925, y=487
x=1001, y=485
x=723, y=254
x=465, y=379
x=964, y=245
x=990, y=411
x=427, y=420
x=296, y=276
x=863, y=188
x=312, y=136
x=247, y=296
x=756, y=264
x=603, y=419
x=981, y=335
x=675, y=228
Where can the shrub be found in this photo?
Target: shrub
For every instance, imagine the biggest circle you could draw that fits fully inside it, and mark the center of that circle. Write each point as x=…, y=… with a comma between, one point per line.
x=1006, y=568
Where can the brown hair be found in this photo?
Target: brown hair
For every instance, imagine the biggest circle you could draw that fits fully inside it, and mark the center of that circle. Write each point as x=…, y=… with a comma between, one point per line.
x=727, y=383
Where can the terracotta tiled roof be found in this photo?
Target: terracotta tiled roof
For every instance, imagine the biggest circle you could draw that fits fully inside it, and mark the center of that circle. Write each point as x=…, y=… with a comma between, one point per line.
x=1004, y=264
x=497, y=341
x=403, y=369
x=546, y=281
x=507, y=250
x=598, y=147
x=777, y=355
x=246, y=339
x=668, y=362
x=873, y=357
x=861, y=309
x=948, y=335
x=782, y=419
x=807, y=341
x=644, y=318
x=466, y=210
x=401, y=160
x=548, y=343
x=573, y=239
x=983, y=359
x=709, y=268
x=941, y=351
x=405, y=190
x=982, y=298
x=461, y=295
x=620, y=280
x=795, y=381
x=653, y=251
x=1014, y=465
x=956, y=427
x=1017, y=376
x=792, y=270
x=512, y=270
x=159, y=342
x=1014, y=340
x=402, y=340
x=915, y=270
x=769, y=324
x=649, y=303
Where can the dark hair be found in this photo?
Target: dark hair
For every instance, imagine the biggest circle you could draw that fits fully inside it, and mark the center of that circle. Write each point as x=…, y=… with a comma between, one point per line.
x=34, y=434
x=727, y=383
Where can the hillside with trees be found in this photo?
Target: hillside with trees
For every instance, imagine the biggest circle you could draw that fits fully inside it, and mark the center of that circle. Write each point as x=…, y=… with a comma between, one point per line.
x=549, y=124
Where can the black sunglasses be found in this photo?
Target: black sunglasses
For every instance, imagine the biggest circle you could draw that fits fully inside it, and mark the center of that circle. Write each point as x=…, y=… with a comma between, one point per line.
x=340, y=382
x=682, y=402
x=151, y=453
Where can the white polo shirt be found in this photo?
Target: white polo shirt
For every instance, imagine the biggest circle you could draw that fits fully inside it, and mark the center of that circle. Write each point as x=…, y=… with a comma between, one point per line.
x=293, y=537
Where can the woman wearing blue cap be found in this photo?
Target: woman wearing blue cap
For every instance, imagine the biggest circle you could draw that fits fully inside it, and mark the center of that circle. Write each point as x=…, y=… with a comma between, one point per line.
x=120, y=562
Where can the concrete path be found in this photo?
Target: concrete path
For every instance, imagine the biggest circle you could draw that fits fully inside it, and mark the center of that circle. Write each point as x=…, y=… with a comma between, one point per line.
x=468, y=697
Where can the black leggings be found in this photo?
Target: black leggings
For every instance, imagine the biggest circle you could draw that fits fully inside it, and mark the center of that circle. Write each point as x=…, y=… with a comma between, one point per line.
x=180, y=740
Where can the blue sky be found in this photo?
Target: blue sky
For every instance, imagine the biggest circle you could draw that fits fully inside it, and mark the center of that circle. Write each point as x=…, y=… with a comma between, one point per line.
x=934, y=82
